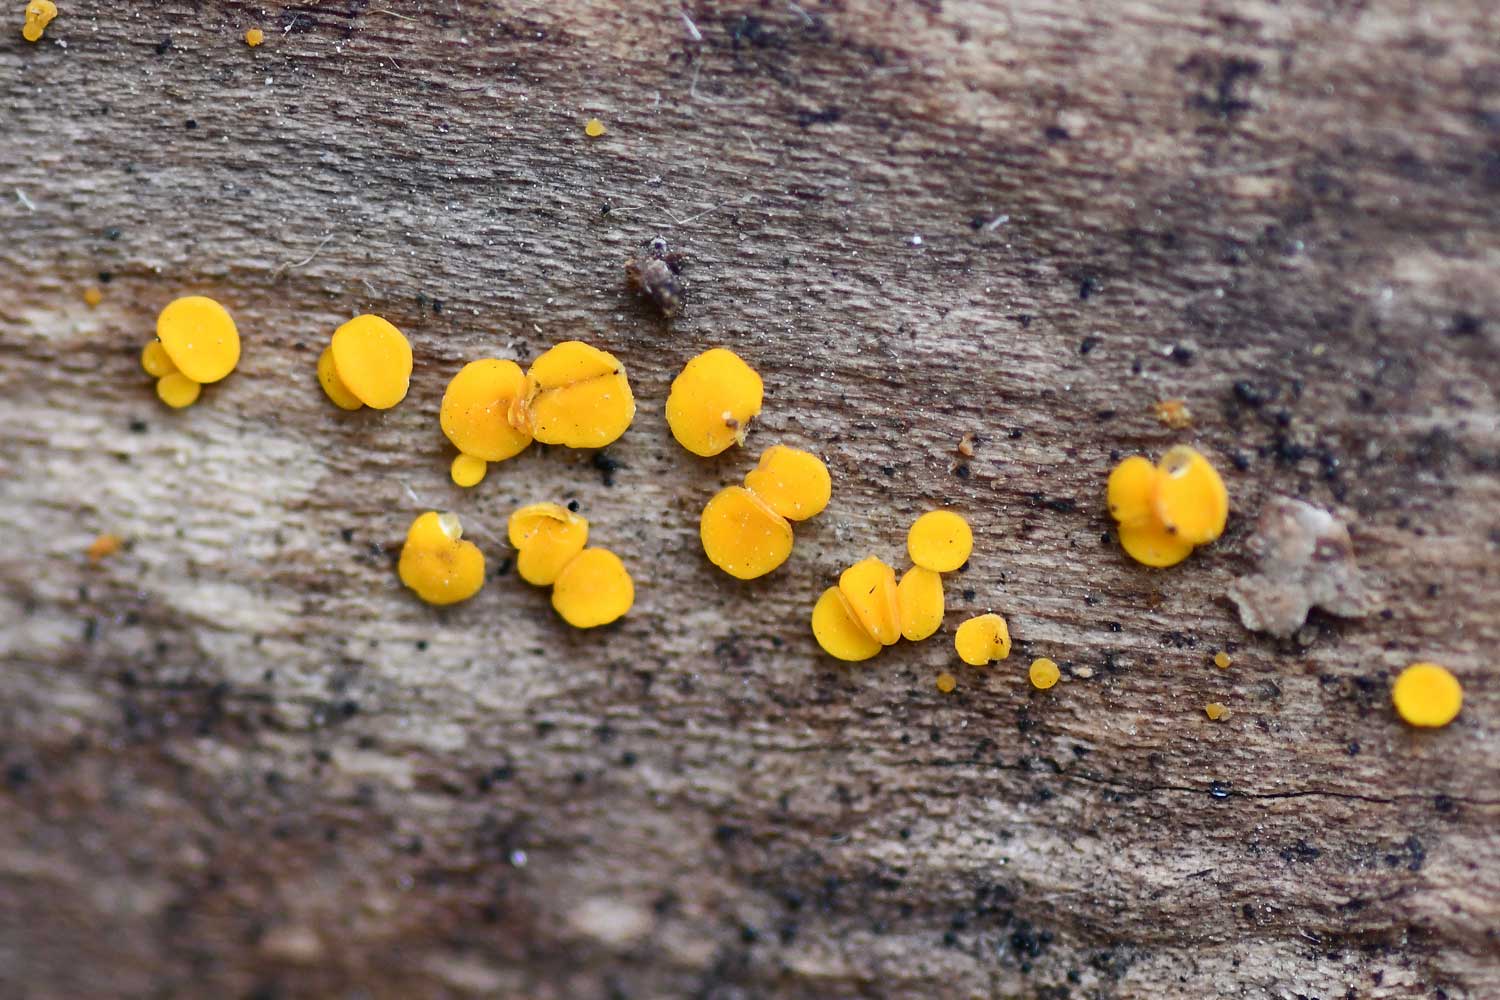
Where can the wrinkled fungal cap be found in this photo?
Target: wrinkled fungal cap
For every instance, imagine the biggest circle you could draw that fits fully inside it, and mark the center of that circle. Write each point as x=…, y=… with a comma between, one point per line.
x=1427, y=695
x=328, y=378
x=373, y=361
x=156, y=360
x=869, y=589
x=794, y=483
x=1190, y=500
x=1215, y=711
x=940, y=540
x=1043, y=673
x=838, y=632
x=475, y=413
x=982, y=639
x=199, y=336
x=577, y=396
x=920, y=597
x=712, y=402
x=39, y=14
x=467, y=470
x=742, y=535
x=1150, y=544
x=437, y=563
x=177, y=390
x=1132, y=490
x=547, y=536
x=594, y=588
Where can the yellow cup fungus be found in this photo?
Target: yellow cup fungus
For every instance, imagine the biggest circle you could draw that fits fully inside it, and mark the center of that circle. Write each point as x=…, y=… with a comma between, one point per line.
x=869, y=589
x=982, y=639
x=39, y=14
x=1043, y=673
x=196, y=342
x=593, y=589
x=1166, y=510
x=838, y=632
x=920, y=597
x=475, y=416
x=940, y=540
x=156, y=361
x=593, y=128
x=712, y=402
x=92, y=296
x=1427, y=695
x=870, y=609
x=254, y=36
x=946, y=682
x=1222, y=660
x=368, y=363
x=546, y=537
x=177, y=390
x=437, y=563
x=1215, y=711
x=746, y=530
x=794, y=483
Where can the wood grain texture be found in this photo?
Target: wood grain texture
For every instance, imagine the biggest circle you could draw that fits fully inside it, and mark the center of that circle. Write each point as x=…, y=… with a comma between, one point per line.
x=239, y=760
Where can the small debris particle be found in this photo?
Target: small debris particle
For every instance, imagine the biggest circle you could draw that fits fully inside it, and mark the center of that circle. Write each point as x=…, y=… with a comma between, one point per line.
x=1222, y=660
x=1173, y=413
x=946, y=682
x=1083, y=673
x=103, y=547
x=1182, y=354
x=1306, y=560
x=254, y=37
x=1218, y=789
x=1088, y=344
x=593, y=128
x=39, y=14
x=92, y=296
x=1043, y=673
x=656, y=274
x=966, y=446
x=1215, y=711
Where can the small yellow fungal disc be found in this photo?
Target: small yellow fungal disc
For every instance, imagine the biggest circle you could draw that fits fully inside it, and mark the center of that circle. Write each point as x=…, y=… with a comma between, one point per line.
x=712, y=402
x=742, y=535
x=1149, y=543
x=177, y=390
x=333, y=386
x=92, y=297
x=200, y=337
x=1043, y=673
x=1132, y=489
x=476, y=408
x=373, y=360
x=1191, y=500
x=946, y=682
x=794, y=483
x=578, y=396
x=594, y=588
x=593, y=128
x=437, y=563
x=156, y=361
x=838, y=632
x=1222, y=660
x=1215, y=711
x=103, y=547
x=940, y=540
x=254, y=37
x=1427, y=695
x=920, y=597
x=869, y=588
x=981, y=639
x=467, y=470
x=39, y=14
x=547, y=536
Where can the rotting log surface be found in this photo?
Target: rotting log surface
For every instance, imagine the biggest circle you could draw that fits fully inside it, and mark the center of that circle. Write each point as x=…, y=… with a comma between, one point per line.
x=239, y=759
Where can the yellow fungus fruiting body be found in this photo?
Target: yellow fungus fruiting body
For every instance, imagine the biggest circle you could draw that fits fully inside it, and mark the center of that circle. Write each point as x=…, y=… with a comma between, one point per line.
x=1132, y=490
x=39, y=14
x=838, y=632
x=103, y=547
x=593, y=128
x=200, y=337
x=1427, y=695
x=940, y=540
x=475, y=413
x=577, y=396
x=156, y=361
x=712, y=402
x=919, y=595
x=869, y=589
x=742, y=535
x=593, y=589
x=333, y=386
x=1222, y=660
x=437, y=563
x=982, y=639
x=1149, y=543
x=946, y=682
x=1173, y=413
x=1190, y=500
x=373, y=361
x=467, y=470
x=794, y=483
x=254, y=36
x=177, y=390
x=547, y=536
x=92, y=296
x=1043, y=673
x=1215, y=711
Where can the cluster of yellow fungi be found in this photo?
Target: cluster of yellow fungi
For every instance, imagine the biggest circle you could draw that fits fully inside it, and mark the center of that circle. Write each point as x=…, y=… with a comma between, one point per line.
x=746, y=530
x=590, y=587
x=573, y=395
x=196, y=343
x=438, y=563
x=367, y=363
x=39, y=14
x=1166, y=510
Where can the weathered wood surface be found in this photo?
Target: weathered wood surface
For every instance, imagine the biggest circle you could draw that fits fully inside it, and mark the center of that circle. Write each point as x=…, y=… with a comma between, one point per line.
x=239, y=759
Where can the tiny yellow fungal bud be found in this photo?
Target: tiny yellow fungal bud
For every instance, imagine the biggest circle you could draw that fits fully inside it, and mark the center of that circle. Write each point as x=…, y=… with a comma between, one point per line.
x=712, y=402
x=1173, y=413
x=742, y=535
x=254, y=36
x=437, y=563
x=1427, y=695
x=467, y=470
x=869, y=588
x=838, y=632
x=39, y=14
x=1215, y=711
x=594, y=588
x=1132, y=489
x=200, y=337
x=156, y=361
x=1149, y=543
x=982, y=639
x=1190, y=501
x=920, y=596
x=1043, y=673
x=177, y=390
x=328, y=378
x=476, y=409
x=1222, y=660
x=92, y=296
x=103, y=547
x=546, y=536
x=373, y=361
x=940, y=540
x=794, y=483
x=593, y=128
x=946, y=682
x=577, y=396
